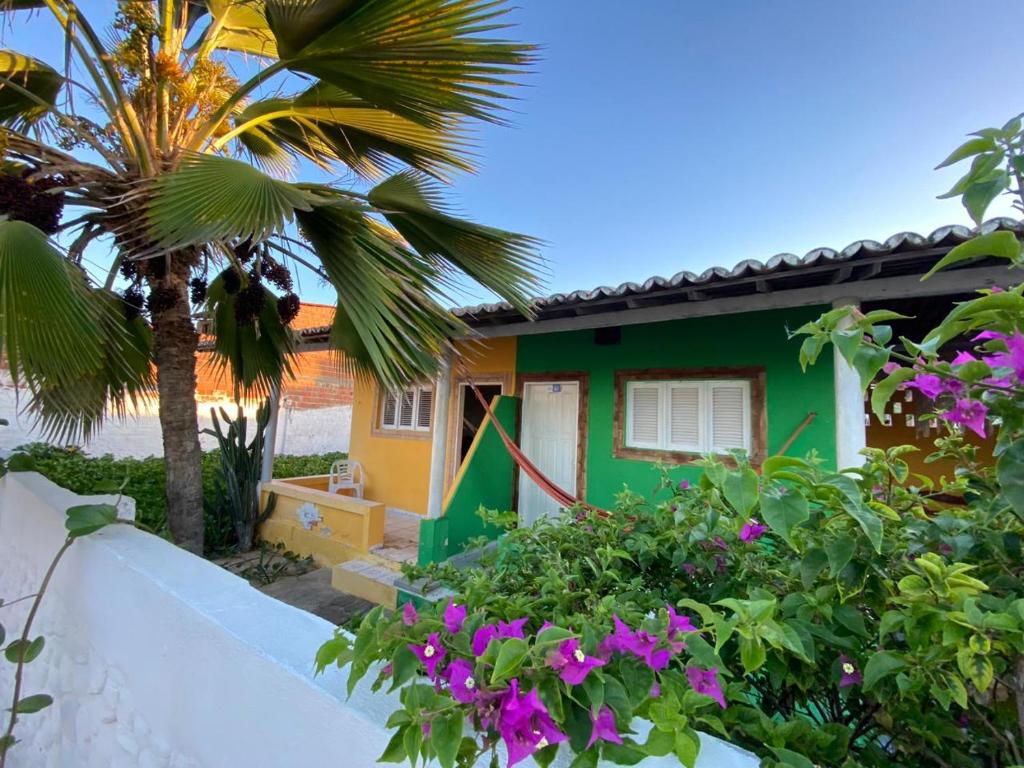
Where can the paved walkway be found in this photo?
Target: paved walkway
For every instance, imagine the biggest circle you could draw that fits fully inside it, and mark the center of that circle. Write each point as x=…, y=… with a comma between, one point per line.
x=313, y=592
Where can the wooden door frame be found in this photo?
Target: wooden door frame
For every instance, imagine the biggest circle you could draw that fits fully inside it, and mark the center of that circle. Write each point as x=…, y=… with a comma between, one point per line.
x=455, y=403
x=581, y=378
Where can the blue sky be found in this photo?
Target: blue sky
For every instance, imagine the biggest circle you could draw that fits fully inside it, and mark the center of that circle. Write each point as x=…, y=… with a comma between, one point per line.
x=663, y=135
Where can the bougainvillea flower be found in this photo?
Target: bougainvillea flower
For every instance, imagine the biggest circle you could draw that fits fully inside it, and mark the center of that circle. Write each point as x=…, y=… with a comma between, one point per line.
x=970, y=414
x=604, y=727
x=684, y=485
x=1013, y=357
x=963, y=358
x=655, y=691
x=460, y=680
x=482, y=638
x=644, y=646
x=571, y=663
x=988, y=336
x=409, y=615
x=454, y=617
x=891, y=367
x=850, y=674
x=512, y=628
x=525, y=724
x=689, y=568
x=620, y=638
x=721, y=543
x=752, y=530
x=429, y=654
x=705, y=681
x=721, y=565
x=928, y=384
x=678, y=623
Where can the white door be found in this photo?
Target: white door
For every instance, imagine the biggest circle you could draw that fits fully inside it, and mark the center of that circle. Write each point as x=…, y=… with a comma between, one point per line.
x=550, y=435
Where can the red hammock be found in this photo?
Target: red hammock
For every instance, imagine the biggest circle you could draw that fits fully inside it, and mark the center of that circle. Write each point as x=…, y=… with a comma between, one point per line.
x=563, y=497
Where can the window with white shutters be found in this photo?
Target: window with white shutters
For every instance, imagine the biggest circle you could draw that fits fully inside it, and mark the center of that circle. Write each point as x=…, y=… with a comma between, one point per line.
x=688, y=415
x=411, y=409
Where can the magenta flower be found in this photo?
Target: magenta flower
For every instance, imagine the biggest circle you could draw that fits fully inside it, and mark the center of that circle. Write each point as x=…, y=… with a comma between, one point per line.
x=572, y=664
x=1013, y=357
x=430, y=654
x=525, y=724
x=964, y=357
x=409, y=615
x=988, y=336
x=850, y=674
x=454, y=617
x=460, y=679
x=604, y=727
x=620, y=638
x=684, y=485
x=689, y=568
x=970, y=414
x=928, y=384
x=719, y=542
x=678, y=623
x=891, y=367
x=752, y=530
x=705, y=681
x=504, y=629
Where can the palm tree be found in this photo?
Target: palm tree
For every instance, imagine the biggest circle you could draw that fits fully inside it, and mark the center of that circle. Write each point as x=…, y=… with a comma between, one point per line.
x=175, y=139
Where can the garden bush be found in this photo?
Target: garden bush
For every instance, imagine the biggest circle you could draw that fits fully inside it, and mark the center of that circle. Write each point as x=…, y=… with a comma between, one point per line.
x=853, y=619
x=143, y=481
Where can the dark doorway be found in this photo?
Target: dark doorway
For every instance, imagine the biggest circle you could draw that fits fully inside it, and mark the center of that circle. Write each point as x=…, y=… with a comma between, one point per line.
x=473, y=414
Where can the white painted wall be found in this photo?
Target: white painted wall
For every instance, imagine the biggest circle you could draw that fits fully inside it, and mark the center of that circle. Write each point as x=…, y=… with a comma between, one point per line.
x=851, y=434
x=159, y=659
x=299, y=432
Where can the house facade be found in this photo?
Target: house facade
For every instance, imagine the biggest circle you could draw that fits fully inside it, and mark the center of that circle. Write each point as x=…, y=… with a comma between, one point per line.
x=603, y=386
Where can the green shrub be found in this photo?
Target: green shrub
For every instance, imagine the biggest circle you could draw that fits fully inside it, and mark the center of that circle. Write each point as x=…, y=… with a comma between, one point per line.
x=79, y=472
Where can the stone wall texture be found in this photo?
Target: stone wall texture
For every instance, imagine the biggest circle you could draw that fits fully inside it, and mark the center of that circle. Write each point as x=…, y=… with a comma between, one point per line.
x=159, y=659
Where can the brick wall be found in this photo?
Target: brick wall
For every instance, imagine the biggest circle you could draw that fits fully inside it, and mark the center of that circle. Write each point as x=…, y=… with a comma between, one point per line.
x=319, y=381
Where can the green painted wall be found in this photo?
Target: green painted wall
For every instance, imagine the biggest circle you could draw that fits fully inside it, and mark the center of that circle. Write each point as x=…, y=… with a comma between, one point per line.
x=487, y=480
x=755, y=338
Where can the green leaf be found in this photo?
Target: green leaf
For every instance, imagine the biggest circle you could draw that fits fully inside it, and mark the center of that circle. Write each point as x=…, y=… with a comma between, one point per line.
x=740, y=490
x=446, y=736
x=89, y=518
x=510, y=657
x=885, y=389
x=868, y=362
x=969, y=148
x=404, y=665
x=687, y=747
x=25, y=651
x=621, y=754
x=394, y=752
x=854, y=506
x=1010, y=474
x=1001, y=244
x=783, y=509
x=34, y=703
x=979, y=197
x=32, y=89
x=752, y=654
x=839, y=552
x=848, y=341
x=812, y=564
x=790, y=759
x=881, y=665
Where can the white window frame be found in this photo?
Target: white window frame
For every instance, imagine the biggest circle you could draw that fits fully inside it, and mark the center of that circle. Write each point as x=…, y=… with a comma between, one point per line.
x=705, y=410
x=396, y=399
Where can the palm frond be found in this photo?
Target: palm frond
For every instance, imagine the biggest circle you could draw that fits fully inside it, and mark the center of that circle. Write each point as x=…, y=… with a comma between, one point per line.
x=239, y=25
x=23, y=79
x=504, y=262
x=66, y=344
x=327, y=125
x=254, y=355
x=426, y=60
x=211, y=199
x=386, y=323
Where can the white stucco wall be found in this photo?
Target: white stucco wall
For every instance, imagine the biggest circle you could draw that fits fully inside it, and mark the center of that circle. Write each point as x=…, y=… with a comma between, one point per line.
x=300, y=432
x=159, y=659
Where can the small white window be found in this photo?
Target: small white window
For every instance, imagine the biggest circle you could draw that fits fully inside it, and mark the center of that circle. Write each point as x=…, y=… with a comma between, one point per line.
x=691, y=416
x=410, y=409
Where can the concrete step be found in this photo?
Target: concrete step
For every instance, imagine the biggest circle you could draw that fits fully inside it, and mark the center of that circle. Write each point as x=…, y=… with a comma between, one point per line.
x=367, y=579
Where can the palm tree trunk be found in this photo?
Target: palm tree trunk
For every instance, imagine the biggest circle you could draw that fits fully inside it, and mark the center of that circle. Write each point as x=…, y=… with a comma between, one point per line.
x=175, y=345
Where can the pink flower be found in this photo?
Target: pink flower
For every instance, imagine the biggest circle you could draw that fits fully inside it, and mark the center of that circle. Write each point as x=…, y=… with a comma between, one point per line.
x=483, y=636
x=684, y=485
x=604, y=727
x=572, y=664
x=525, y=725
x=891, y=367
x=655, y=691
x=1013, y=357
x=850, y=674
x=928, y=384
x=752, y=530
x=719, y=542
x=678, y=623
x=429, y=654
x=706, y=682
x=964, y=357
x=618, y=641
x=454, y=617
x=409, y=615
x=988, y=336
x=460, y=679
x=689, y=568
x=970, y=414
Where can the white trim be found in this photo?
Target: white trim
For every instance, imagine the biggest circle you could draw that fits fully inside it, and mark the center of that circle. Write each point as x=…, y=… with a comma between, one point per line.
x=439, y=440
x=851, y=435
x=398, y=397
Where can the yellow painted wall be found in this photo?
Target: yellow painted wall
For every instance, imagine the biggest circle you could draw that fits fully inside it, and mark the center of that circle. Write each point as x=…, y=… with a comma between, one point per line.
x=398, y=467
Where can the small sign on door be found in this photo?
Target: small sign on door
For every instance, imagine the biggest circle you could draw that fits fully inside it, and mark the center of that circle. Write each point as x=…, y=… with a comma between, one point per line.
x=556, y=388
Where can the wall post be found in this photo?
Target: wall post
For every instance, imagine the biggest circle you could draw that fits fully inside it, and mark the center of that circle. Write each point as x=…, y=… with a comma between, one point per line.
x=851, y=435
x=270, y=436
x=439, y=439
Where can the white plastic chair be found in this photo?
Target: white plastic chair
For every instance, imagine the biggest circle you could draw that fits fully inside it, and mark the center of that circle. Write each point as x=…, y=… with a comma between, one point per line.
x=346, y=474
